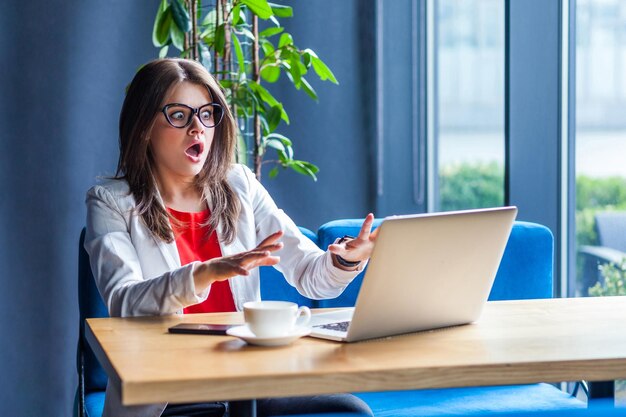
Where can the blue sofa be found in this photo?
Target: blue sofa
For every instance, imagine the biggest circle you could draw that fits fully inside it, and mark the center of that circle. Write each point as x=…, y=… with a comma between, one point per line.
x=601, y=409
x=525, y=273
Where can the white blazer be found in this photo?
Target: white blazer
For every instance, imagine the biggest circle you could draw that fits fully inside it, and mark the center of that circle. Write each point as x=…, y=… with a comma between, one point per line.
x=138, y=274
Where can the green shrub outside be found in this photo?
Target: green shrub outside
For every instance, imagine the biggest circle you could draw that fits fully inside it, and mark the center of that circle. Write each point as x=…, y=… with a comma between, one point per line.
x=614, y=280
x=594, y=195
x=471, y=185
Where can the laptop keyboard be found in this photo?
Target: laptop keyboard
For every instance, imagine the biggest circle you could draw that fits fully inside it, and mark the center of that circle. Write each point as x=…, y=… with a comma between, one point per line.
x=339, y=327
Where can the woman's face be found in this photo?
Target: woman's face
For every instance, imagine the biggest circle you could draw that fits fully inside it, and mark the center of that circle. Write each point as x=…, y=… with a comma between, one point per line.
x=180, y=153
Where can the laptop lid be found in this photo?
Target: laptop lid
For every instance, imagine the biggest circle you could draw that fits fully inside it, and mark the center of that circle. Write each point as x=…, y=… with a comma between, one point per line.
x=429, y=271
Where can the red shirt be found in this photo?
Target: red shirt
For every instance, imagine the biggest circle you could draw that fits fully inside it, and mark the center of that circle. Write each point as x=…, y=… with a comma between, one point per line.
x=193, y=245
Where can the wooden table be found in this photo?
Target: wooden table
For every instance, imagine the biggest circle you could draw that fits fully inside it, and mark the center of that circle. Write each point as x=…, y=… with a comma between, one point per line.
x=514, y=342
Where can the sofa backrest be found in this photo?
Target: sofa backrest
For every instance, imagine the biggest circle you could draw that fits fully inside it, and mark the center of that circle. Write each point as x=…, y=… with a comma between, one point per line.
x=524, y=273
x=526, y=268
x=90, y=306
x=275, y=287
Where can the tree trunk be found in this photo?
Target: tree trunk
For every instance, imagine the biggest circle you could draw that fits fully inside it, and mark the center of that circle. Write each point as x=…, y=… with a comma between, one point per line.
x=258, y=157
x=226, y=59
x=215, y=54
x=193, y=43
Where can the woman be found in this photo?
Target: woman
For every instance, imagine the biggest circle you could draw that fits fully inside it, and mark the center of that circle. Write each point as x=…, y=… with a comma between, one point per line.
x=182, y=229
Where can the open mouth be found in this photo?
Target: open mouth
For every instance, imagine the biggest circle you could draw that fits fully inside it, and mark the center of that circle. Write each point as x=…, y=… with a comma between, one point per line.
x=195, y=150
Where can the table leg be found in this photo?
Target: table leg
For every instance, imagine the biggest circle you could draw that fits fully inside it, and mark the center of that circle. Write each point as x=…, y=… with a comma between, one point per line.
x=243, y=408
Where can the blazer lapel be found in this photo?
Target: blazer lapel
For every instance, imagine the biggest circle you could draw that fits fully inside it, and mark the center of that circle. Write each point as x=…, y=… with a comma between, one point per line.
x=170, y=253
x=168, y=250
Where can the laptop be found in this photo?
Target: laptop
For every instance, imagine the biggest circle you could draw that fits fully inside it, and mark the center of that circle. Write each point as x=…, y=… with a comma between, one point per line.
x=427, y=271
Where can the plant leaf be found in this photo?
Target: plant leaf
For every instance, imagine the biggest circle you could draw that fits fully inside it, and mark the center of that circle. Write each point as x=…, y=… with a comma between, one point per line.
x=303, y=169
x=209, y=19
x=208, y=23
x=178, y=37
x=161, y=28
x=273, y=172
x=322, y=70
x=263, y=94
x=282, y=157
x=239, y=54
x=310, y=52
x=220, y=39
x=295, y=70
x=280, y=10
x=236, y=14
x=270, y=73
x=285, y=157
x=259, y=8
x=311, y=167
x=273, y=117
x=270, y=32
x=264, y=126
x=285, y=140
x=247, y=34
x=275, y=143
x=268, y=48
x=284, y=115
x=242, y=149
x=208, y=34
x=180, y=16
x=285, y=39
x=243, y=18
x=308, y=89
x=163, y=51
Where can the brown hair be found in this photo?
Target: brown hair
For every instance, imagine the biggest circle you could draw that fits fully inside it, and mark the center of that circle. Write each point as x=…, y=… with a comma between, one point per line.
x=141, y=106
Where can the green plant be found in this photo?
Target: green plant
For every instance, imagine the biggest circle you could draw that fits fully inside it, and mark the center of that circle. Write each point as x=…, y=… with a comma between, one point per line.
x=471, y=185
x=600, y=192
x=226, y=39
x=614, y=280
x=594, y=195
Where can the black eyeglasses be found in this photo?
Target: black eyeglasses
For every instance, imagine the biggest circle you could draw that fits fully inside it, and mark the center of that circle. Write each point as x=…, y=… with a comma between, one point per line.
x=181, y=115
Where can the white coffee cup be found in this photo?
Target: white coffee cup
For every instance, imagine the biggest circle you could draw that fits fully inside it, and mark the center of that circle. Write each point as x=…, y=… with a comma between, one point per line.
x=274, y=318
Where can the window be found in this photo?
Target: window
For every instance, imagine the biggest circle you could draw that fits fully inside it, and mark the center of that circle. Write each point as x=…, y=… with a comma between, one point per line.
x=469, y=114
x=600, y=139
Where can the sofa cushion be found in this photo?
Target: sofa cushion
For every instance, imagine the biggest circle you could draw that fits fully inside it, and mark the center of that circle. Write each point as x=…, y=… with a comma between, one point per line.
x=275, y=287
x=94, y=404
x=469, y=401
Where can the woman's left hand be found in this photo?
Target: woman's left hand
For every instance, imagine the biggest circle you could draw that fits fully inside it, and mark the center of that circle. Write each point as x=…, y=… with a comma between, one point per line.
x=359, y=248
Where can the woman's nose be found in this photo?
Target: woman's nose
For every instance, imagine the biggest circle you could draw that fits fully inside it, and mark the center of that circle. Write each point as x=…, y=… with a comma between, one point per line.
x=196, y=125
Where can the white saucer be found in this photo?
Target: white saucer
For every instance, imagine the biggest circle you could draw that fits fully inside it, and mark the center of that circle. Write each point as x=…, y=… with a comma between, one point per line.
x=243, y=332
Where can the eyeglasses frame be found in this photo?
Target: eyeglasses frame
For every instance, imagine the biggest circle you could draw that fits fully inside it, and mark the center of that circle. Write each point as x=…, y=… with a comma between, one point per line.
x=194, y=112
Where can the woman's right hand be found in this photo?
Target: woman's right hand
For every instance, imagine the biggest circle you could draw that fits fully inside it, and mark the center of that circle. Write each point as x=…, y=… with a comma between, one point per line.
x=221, y=269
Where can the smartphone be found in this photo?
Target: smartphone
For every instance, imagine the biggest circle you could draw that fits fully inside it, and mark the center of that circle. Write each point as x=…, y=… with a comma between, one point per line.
x=199, y=328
